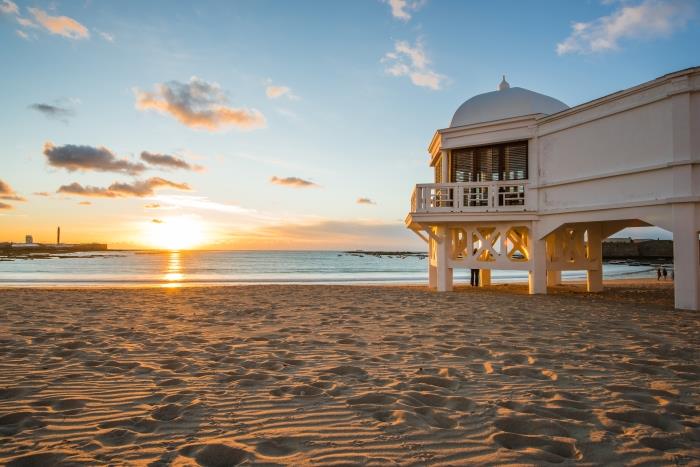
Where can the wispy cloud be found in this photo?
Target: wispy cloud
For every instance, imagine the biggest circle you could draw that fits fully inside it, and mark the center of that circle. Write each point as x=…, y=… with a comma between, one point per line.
x=152, y=206
x=400, y=9
x=8, y=7
x=646, y=20
x=138, y=188
x=106, y=36
x=412, y=61
x=88, y=158
x=156, y=221
x=5, y=206
x=365, y=201
x=197, y=202
x=60, y=25
x=85, y=203
x=295, y=182
x=41, y=193
x=275, y=92
x=168, y=161
x=8, y=194
x=57, y=112
x=198, y=104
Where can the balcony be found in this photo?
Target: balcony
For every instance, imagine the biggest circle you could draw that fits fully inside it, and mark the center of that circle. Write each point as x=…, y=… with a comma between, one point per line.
x=468, y=197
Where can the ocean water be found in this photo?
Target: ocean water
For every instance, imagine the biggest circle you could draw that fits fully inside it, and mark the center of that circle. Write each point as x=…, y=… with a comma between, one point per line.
x=181, y=268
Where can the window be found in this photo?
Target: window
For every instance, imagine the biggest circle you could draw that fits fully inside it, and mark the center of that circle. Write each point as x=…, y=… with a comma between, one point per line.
x=490, y=163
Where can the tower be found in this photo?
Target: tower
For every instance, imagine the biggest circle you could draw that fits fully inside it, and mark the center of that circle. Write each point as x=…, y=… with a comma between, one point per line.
x=58, y=235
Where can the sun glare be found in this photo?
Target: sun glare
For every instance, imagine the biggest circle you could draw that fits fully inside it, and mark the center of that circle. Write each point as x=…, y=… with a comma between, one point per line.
x=174, y=233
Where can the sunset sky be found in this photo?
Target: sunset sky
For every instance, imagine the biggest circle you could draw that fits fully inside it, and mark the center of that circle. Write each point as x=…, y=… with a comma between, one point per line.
x=279, y=124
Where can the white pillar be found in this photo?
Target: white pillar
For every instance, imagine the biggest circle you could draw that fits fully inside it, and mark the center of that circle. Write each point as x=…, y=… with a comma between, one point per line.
x=537, y=276
x=686, y=257
x=594, y=245
x=444, y=272
x=484, y=277
x=445, y=156
x=553, y=278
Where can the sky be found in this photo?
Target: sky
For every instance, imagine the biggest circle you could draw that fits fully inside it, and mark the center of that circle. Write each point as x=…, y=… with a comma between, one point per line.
x=276, y=124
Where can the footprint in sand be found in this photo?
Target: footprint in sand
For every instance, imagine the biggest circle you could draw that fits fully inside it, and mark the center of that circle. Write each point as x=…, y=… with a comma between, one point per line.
x=281, y=446
x=166, y=412
x=554, y=450
x=39, y=460
x=659, y=443
x=644, y=417
x=216, y=454
x=348, y=370
x=116, y=437
x=524, y=425
x=138, y=424
x=13, y=423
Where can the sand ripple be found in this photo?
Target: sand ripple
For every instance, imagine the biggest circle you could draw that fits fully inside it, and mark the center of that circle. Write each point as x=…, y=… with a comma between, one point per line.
x=296, y=375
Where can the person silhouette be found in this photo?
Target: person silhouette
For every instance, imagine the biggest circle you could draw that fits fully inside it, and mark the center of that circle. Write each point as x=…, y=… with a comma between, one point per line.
x=474, y=281
x=658, y=274
x=664, y=271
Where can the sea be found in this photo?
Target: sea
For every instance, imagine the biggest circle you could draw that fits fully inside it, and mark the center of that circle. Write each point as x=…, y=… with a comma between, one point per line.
x=190, y=268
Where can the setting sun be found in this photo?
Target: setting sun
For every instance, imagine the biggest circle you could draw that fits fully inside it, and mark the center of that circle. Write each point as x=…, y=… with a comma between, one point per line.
x=174, y=233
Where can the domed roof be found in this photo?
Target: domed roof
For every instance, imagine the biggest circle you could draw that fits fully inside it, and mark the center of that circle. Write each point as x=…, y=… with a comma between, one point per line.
x=507, y=102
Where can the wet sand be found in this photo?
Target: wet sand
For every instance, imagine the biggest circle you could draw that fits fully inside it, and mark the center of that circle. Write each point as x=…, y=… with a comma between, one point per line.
x=280, y=375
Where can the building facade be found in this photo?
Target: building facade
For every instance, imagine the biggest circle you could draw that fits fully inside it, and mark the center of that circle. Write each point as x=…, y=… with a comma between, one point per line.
x=524, y=182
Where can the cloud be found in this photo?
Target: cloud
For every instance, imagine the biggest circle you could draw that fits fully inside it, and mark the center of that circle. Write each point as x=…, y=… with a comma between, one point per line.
x=152, y=206
x=157, y=221
x=646, y=20
x=8, y=8
x=8, y=194
x=198, y=104
x=107, y=36
x=400, y=8
x=100, y=159
x=5, y=206
x=85, y=203
x=53, y=111
x=199, y=202
x=412, y=61
x=60, y=25
x=168, y=161
x=365, y=201
x=275, y=92
x=22, y=34
x=41, y=193
x=138, y=188
x=295, y=182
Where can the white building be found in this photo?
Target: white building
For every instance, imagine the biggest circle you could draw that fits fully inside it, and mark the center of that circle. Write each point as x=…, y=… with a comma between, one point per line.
x=524, y=182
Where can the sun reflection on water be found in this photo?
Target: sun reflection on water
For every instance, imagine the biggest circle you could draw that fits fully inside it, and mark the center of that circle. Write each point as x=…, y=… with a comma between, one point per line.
x=173, y=274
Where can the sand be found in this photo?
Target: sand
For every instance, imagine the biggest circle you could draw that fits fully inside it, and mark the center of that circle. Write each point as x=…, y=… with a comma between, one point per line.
x=295, y=375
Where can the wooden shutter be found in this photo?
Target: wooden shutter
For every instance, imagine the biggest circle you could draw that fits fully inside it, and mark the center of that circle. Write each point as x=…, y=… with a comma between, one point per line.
x=515, y=161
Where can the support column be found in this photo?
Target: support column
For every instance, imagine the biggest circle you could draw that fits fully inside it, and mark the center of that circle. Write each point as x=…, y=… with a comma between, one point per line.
x=537, y=276
x=686, y=257
x=553, y=278
x=432, y=270
x=444, y=272
x=484, y=277
x=594, y=245
x=432, y=277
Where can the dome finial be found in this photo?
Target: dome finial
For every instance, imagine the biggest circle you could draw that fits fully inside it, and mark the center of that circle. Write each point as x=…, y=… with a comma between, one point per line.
x=504, y=84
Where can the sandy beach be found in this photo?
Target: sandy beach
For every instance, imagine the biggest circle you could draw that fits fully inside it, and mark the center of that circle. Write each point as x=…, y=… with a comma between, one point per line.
x=295, y=375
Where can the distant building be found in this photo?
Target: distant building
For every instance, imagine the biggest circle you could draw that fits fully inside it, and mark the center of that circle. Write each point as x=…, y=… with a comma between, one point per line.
x=28, y=239
x=524, y=182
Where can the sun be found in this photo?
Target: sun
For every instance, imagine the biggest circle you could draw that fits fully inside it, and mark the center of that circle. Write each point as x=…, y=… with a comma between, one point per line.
x=174, y=233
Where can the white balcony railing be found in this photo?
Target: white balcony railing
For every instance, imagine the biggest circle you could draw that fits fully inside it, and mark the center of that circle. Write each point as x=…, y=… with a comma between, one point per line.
x=508, y=195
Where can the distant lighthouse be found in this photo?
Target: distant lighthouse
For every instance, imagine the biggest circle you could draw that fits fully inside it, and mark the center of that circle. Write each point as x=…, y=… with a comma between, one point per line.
x=58, y=235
